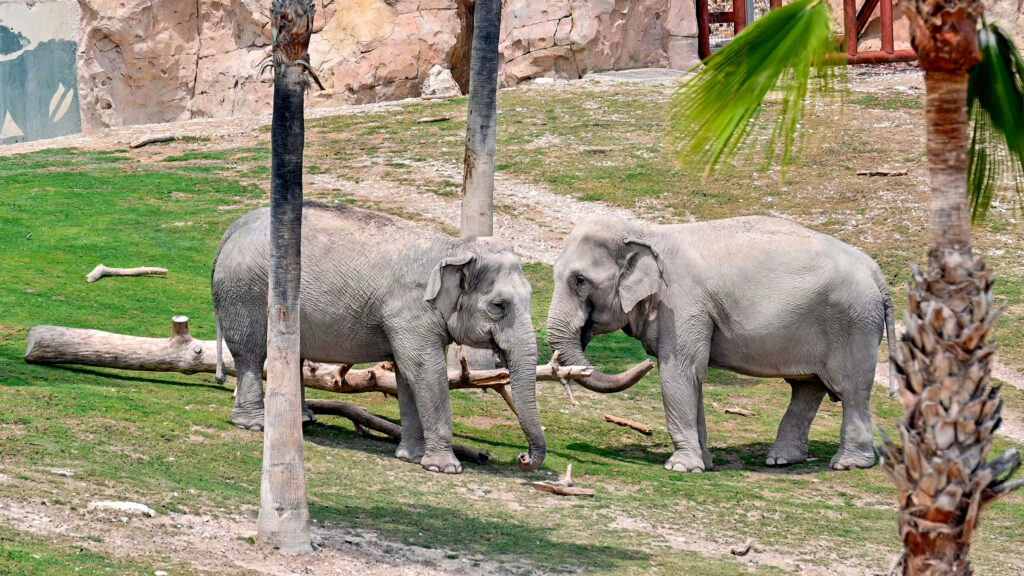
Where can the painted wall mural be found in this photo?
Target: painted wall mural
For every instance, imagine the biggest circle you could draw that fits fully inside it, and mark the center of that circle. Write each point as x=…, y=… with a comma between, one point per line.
x=38, y=70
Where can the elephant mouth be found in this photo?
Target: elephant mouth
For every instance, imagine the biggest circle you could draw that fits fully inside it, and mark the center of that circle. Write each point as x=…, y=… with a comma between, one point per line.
x=587, y=333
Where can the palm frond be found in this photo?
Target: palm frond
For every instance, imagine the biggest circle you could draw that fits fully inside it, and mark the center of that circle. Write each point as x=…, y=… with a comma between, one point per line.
x=711, y=114
x=995, y=98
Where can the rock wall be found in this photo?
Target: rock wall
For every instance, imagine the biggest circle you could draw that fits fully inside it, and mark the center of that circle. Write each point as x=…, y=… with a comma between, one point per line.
x=143, y=61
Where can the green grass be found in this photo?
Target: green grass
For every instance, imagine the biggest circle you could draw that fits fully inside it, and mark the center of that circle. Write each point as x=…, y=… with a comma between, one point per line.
x=165, y=439
x=21, y=553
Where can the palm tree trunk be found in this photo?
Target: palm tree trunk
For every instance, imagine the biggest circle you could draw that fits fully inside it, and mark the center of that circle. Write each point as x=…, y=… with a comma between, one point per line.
x=481, y=122
x=284, y=517
x=478, y=165
x=950, y=409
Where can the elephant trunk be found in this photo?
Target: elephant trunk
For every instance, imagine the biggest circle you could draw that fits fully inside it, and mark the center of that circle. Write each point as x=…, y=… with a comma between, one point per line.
x=566, y=335
x=521, y=359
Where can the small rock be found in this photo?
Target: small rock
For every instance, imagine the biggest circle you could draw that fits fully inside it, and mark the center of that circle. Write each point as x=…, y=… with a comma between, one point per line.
x=159, y=573
x=440, y=82
x=543, y=80
x=132, y=508
x=62, y=472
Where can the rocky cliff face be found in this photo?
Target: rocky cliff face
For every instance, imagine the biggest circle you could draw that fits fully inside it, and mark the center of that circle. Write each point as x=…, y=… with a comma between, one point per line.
x=143, y=61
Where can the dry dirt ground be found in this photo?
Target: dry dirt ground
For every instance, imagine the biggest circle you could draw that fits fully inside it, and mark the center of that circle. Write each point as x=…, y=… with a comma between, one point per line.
x=535, y=218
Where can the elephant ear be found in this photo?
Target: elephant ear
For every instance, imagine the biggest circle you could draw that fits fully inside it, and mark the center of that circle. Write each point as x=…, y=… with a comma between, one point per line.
x=640, y=276
x=446, y=283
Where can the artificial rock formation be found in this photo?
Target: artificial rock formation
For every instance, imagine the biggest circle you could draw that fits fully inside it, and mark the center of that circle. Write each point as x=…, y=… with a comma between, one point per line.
x=146, y=61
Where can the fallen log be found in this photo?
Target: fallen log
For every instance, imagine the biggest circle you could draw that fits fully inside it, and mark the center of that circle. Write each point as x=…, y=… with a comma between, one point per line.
x=433, y=119
x=183, y=353
x=740, y=412
x=179, y=353
x=363, y=419
x=641, y=428
x=100, y=271
x=152, y=139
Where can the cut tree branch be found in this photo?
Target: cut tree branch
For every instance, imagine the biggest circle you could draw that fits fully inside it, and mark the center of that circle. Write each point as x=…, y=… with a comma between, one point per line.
x=100, y=271
x=363, y=419
x=641, y=428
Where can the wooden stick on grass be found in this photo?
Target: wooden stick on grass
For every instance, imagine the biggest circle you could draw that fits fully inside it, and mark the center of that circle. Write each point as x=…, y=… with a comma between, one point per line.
x=100, y=271
x=641, y=428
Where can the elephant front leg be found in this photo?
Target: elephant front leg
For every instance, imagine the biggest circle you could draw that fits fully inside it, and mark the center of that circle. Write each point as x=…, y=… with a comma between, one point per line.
x=412, y=446
x=684, y=416
x=682, y=378
x=791, y=442
x=426, y=374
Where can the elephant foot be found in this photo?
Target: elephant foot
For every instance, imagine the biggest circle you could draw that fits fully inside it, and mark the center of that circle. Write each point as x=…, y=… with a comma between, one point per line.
x=850, y=459
x=444, y=462
x=409, y=452
x=783, y=456
x=686, y=461
x=248, y=419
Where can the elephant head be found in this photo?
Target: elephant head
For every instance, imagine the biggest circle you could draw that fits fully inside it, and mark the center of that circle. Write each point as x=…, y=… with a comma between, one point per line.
x=604, y=272
x=484, y=298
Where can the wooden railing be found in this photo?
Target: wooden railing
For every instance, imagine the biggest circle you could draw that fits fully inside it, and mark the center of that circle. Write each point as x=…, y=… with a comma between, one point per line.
x=854, y=23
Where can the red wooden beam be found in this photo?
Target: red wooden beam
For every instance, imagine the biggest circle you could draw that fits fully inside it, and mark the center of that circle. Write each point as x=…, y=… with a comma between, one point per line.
x=739, y=16
x=850, y=27
x=886, y=10
x=882, y=57
x=703, y=30
x=722, y=17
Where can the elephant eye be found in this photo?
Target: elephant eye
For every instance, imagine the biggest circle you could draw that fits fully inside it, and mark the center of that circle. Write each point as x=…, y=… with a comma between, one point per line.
x=581, y=283
x=497, y=309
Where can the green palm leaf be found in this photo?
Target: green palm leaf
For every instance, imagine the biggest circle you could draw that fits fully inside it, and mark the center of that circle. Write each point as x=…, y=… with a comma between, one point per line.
x=995, y=98
x=711, y=115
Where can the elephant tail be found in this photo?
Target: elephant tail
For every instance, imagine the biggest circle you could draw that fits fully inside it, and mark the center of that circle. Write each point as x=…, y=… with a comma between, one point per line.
x=221, y=374
x=895, y=357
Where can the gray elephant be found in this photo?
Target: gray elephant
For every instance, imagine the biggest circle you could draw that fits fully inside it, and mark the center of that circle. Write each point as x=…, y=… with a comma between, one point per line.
x=374, y=288
x=758, y=296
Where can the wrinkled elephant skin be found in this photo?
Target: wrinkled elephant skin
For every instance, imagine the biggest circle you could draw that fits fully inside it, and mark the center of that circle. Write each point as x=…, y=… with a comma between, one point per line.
x=374, y=289
x=758, y=296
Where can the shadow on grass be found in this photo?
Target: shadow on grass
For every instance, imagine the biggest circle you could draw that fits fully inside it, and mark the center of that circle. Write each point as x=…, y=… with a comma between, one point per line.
x=625, y=453
x=520, y=547
x=751, y=457
x=137, y=376
x=329, y=435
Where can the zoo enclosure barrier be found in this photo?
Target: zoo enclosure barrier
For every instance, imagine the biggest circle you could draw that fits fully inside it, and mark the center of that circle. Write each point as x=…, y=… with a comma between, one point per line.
x=854, y=23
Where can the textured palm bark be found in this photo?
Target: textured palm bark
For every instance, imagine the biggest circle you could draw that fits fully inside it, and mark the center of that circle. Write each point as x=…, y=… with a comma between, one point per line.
x=950, y=408
x=481, y=122
x=284, y=516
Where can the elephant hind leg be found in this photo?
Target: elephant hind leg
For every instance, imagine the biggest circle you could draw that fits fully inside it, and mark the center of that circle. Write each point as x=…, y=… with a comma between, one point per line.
x=791, y=442
x=856, y=441
x=308, y=416
x=248, y=410
x=412, y=445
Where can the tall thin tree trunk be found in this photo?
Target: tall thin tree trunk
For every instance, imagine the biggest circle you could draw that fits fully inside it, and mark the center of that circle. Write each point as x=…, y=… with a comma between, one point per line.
x=950, y=410
x=284, y=516
x=478, y=166
x=481, y=123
